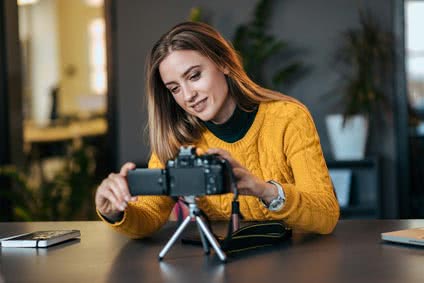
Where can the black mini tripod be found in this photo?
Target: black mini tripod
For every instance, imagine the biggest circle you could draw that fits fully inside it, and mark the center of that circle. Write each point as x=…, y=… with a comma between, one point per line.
x=205, y=234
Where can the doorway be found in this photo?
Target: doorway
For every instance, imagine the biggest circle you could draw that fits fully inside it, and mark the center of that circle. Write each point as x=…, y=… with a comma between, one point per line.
x=66, y=140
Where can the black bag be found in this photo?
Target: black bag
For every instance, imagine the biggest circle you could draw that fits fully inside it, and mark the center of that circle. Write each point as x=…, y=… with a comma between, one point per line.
x=255, y=236
x=249, y=237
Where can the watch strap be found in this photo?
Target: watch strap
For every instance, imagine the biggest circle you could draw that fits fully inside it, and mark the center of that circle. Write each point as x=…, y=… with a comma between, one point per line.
x=277, y=203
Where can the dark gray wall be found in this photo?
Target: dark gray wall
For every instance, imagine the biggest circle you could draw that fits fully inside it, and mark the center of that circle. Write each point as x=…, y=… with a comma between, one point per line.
x=311, y=27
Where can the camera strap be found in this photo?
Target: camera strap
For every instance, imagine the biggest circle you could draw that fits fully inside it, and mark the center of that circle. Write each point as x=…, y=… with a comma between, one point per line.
x=252, y=236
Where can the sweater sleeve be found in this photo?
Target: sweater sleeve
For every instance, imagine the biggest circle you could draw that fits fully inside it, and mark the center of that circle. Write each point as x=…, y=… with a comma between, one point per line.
x=145, y=215
x=311, y=203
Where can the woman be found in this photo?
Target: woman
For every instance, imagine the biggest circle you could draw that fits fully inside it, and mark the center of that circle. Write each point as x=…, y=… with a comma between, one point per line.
x=199, y=94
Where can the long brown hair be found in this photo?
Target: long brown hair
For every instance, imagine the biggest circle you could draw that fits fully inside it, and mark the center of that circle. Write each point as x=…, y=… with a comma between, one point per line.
x=169, y=125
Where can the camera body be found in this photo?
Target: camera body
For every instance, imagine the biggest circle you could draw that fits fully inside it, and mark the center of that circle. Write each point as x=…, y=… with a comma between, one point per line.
x=188, y=174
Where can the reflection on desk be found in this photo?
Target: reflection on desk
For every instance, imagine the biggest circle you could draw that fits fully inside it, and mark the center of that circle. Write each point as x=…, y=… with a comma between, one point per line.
x=72, y=130
x=354, y=252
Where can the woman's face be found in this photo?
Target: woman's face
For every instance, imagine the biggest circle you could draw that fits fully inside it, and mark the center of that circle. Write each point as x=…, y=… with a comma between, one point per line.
x=197, y=85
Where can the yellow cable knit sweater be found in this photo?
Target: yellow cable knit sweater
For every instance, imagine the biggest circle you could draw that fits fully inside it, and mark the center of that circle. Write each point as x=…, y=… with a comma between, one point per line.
x=282, y=145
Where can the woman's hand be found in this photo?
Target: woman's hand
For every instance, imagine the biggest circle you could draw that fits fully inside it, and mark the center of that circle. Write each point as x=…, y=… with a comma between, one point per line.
x=113, y=195
x=247, y=183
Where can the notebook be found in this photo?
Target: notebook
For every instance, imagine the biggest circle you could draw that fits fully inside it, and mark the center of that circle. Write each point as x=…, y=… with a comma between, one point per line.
x=39, y=239
x=409, y=236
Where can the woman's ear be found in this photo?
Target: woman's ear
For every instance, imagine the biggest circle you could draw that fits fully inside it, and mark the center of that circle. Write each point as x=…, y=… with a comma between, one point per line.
x=226, y=71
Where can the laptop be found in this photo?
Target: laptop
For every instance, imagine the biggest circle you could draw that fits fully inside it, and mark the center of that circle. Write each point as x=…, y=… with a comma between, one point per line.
x=409, y=236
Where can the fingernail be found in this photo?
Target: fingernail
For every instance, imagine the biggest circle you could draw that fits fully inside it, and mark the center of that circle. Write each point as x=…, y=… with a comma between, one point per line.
x=127, y=198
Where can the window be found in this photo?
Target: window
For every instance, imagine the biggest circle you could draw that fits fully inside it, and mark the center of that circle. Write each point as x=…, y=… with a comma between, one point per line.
x=414, y=24
x=97, y=55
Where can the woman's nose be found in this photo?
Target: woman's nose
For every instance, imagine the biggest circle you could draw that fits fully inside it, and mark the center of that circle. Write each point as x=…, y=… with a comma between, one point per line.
x=189, y=94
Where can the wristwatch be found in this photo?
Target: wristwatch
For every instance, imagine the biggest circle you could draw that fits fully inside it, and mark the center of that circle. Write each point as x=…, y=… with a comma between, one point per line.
x=277, y=203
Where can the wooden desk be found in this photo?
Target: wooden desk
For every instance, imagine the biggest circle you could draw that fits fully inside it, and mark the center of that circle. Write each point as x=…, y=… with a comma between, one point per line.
x=353, y=253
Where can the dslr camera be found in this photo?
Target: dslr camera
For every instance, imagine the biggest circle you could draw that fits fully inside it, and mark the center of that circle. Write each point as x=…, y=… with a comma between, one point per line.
x=188, y=174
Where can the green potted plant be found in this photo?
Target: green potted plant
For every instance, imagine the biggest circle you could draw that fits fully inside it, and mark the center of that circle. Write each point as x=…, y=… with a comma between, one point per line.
x=257, y=47
x=364, y=58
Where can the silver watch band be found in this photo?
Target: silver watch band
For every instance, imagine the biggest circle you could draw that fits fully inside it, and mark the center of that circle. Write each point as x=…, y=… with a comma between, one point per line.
x=277, y=203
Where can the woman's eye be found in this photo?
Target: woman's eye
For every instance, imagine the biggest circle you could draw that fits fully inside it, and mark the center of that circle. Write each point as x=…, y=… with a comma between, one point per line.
x=195, y=76
x=174, y=89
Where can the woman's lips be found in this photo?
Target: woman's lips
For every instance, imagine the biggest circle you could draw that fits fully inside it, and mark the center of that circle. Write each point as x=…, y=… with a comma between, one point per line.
x=200, y=106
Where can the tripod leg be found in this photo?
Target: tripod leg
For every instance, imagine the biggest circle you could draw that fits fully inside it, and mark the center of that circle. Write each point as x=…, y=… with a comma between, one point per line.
x=211, y=239
x=174, y=237
x=205, y=243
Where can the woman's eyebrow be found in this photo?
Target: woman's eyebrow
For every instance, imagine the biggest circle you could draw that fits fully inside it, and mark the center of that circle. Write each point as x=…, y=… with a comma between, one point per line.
x=184, y=74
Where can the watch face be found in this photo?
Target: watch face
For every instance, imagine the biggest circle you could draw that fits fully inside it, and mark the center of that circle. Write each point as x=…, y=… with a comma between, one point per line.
x=276, y=204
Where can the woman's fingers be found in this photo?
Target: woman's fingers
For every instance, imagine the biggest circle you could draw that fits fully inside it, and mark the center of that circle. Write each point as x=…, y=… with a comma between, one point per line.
x=106, y=201
x=226, y=155
x=126, y=167
x=220, y=152
x=121, y=187
x=242, y=177
x=113, y=195
x=114, y=187
x=247, y=183
x=124, y=172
